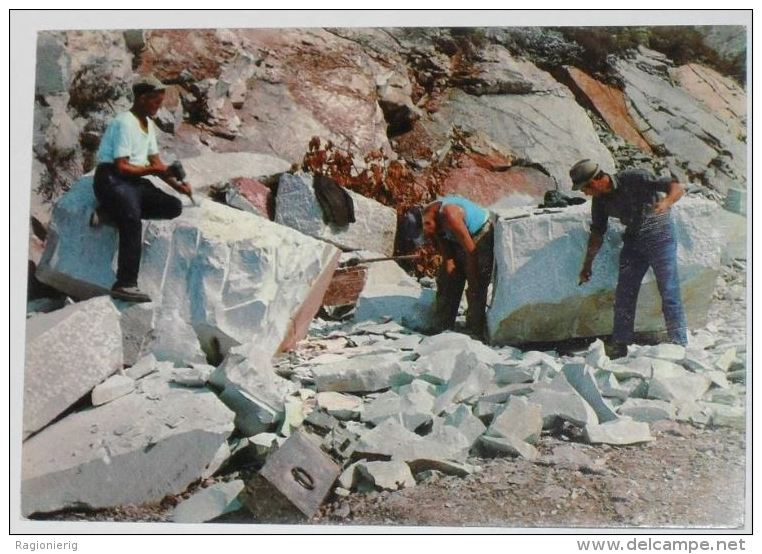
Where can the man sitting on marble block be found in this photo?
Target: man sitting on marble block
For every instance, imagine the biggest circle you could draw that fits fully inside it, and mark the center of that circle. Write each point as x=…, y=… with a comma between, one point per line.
x=128, y=153
x=632, y=196
x=463, y=234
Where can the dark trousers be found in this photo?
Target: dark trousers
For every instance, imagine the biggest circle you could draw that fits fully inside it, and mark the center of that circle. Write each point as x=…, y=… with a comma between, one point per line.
x=653, y=245
x=450, y=287
x=127, y=200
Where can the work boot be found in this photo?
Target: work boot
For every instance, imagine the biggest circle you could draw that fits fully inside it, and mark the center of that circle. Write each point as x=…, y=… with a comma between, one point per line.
x=130, y=293
x=615, y=350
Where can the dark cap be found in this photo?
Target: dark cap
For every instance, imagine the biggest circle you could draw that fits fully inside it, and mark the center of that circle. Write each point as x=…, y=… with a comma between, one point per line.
x=411, y=229
x=145, y=84
x=582, y=173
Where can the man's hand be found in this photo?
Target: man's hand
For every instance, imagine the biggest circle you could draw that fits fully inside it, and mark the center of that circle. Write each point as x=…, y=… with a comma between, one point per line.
x=585, y=274
x=662, y=206
x=674, y=194
x=184, y=188
x=593, y=245
x=158, y=168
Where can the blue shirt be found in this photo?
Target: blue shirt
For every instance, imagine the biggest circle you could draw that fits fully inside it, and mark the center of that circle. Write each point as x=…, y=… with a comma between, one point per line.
x=634, y=191
x=475, y=216
x=125, y=139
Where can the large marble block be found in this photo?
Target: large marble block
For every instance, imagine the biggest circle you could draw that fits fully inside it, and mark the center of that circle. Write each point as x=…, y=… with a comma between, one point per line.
x=233, y=277
x=538, y=259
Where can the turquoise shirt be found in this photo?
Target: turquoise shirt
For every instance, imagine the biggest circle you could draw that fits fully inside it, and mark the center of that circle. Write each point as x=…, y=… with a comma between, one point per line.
x=125, y=139
x=475, y=215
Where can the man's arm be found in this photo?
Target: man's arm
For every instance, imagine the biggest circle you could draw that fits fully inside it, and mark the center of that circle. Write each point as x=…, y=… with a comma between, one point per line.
x=124, y=167
x=454, y=221
x=674, y=193
x=593, y=246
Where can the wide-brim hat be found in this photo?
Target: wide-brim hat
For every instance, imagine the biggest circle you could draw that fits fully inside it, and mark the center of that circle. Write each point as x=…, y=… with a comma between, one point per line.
x=582, y=173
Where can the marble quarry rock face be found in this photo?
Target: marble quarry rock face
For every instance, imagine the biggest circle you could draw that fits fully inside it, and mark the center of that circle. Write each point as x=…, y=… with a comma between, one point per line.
x=702, y=137
x=538, y=258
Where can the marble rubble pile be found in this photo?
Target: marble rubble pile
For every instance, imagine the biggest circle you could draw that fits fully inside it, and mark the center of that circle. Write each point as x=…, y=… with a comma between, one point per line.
x=392, y=405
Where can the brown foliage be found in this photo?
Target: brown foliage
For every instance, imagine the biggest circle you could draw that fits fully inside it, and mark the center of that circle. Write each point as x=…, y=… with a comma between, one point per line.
x=389, y=182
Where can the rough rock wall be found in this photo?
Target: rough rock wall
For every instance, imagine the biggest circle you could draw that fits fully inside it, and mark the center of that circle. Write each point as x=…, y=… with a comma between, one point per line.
x=449, y=99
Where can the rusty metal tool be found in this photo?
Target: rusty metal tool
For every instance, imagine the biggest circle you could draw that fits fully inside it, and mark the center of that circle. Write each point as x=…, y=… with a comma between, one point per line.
x=357, y=261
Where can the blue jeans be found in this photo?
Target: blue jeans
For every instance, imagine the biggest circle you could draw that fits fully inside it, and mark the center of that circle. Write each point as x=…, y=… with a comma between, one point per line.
x=652, y=244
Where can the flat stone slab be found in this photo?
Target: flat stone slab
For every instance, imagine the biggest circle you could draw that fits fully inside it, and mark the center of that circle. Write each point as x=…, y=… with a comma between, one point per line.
x=450, y=340
x=501, y=394
x=340, y=406
x=250, y=196
x=620, y=432
x=726, y=359
x=514, y=373
x=409, y=305
x=359, y=374
x=520, y=419
x=134, y=450
x=391, y=439
x=390, y=476
x=682, y=388
x=628, y=368
x=387, y=404
x=559, y=400
x=196, y=376
x=510, y=445
x=533, y=304
x=436, y=367
x=726, y=416
x=297, y=207
x=641, y=409
x=444, y=466
x=209, y=503
x=68, y=352
x=145, y=366
x=218, y=276
x=112, y=388
x=672, y=352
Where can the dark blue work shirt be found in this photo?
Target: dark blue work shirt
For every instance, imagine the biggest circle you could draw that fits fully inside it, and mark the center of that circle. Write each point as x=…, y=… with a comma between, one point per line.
x=634, y=191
